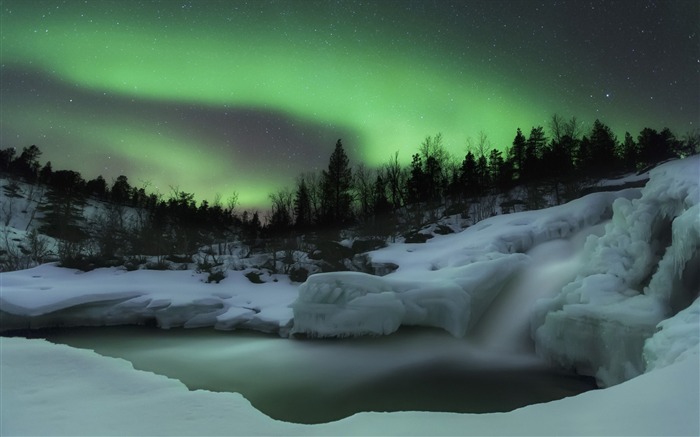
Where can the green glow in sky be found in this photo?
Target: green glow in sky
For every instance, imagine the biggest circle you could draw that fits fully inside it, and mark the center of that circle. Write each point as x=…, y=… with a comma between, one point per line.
x=385, y=77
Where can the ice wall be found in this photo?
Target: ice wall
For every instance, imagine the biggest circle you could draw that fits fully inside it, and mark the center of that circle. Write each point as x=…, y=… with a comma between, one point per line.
x=642, y=271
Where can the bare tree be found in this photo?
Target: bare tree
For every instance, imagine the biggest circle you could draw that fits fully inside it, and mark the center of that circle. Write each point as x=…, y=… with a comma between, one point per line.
x=394, y=177
x=364, y=187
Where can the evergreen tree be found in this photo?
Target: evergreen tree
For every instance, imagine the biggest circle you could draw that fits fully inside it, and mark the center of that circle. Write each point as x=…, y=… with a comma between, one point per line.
x=534, y=147
x=655, y=147
x=628, y=153
x=517, y=153
x=63, y=208
x=468, y=176
x=27, y=164
x=416, y=182
x=336, y=184
x=302, y=205
x=121, y=190
x=603, y=143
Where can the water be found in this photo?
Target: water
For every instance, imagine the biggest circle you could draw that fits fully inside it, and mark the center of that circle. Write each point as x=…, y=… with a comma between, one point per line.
x=506, y=325
x=315, y=381
x=416, y=369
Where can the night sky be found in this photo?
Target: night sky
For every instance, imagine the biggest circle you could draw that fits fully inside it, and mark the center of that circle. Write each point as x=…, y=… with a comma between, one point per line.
x=222, y=96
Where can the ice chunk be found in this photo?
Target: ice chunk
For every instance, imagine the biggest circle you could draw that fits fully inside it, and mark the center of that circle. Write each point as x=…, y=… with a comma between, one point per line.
x=346, y=303
x=350, y=303
x=634, y=276
x=678, y=339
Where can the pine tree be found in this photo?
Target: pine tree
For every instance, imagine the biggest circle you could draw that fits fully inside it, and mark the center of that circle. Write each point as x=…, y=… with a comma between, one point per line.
x=517, y=153
x=302, y=205
x=534, y=147
x=336, y=184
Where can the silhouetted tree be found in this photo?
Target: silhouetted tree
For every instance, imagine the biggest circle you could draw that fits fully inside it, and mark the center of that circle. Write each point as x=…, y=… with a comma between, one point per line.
x=302, y=206
x=394, y=180
x=98, y=187
x=121, y=190
x=336, y=183
x=63, y=207
x=601, y=159
x=517, y=153
x=27, y=164
x=6, y=158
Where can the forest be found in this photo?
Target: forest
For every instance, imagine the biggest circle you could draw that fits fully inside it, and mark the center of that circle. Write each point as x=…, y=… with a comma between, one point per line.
x=137, y=228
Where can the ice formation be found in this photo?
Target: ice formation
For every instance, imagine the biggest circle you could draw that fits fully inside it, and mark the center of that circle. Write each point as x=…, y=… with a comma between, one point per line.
x=448, y=282
x=642, y=271
x=351, y=303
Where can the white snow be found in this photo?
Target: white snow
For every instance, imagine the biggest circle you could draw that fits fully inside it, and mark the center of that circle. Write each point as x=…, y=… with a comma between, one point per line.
x=629, y=317
x=634, y=276
x=48, y=295
x=77, y=392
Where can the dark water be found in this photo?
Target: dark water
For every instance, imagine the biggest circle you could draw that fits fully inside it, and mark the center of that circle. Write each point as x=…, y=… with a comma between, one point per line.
x=314, y=381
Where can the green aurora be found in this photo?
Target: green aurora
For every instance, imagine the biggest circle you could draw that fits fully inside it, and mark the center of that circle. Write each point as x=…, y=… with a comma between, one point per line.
x=216, y=97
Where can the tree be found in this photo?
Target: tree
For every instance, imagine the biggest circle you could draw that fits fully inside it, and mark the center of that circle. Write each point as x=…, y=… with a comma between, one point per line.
x=434, y=158
x=601, y=159
x=282, y=209
x=517, y=153
x=394, y=180
x=534, y=147
x=336, y=183
x=27, y=164
x=654, y=147
x=120, y=190
x=97, y=187
x=302, y=205
x=63, y=208
x=6, y=158
x=416, y=182
x=469, y=179
x=381, y=205
x=364, y=190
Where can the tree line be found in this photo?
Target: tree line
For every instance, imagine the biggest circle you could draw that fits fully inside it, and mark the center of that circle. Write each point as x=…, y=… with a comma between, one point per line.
x=556, y=166
x=385, y=200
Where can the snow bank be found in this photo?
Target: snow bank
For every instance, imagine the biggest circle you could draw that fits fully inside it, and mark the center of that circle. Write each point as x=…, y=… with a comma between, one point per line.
x=639, y=273
x=51, y=296
x=448, y=282
x=78, y=392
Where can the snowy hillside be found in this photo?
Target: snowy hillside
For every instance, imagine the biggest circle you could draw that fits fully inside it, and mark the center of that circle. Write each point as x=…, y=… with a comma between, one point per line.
x=606, y=285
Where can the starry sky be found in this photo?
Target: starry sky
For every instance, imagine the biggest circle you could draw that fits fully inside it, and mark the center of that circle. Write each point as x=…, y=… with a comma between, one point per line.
x=242, y=96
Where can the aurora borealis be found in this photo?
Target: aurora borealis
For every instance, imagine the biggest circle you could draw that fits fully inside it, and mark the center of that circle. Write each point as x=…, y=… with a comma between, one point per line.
x=223, y=96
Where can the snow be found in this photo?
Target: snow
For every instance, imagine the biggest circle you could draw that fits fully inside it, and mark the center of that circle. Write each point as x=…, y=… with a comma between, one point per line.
x=633, y=277
x=629, y=316
x=447, y=282
x=78, y=392
x=677, y=339
x=48, y=295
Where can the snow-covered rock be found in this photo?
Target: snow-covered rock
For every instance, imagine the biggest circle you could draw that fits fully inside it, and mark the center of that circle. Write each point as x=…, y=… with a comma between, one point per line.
x=642, y=271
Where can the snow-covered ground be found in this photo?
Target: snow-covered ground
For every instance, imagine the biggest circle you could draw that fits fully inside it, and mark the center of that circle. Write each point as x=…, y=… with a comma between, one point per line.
x=630, y=317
